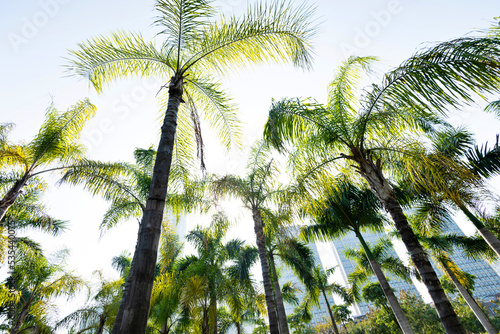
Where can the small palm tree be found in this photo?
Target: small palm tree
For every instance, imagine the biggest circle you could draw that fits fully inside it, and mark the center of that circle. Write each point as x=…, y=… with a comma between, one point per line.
x=193, y=47
x=342, y=314
x=321, y=285
x=55, y=147
x=27, y=212
x=387, y=262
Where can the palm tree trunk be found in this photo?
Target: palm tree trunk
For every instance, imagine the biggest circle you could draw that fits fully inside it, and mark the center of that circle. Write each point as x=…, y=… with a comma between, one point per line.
x=334, y=324
x=102, y=322
x=280, y=306
x=383, y=190
x=403, y=322
x=13, y=193
x=134, y=307
x=483, y=319
x=20, y=320
x=489, y=237
x=238, y=328
x=266, y=277
x=212, y=314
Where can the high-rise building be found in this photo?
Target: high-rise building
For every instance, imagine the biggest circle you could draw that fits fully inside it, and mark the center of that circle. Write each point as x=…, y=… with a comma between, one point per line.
x=347, y=266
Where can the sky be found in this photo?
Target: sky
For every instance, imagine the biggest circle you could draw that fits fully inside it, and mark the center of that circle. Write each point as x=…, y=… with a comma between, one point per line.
x=35, y=37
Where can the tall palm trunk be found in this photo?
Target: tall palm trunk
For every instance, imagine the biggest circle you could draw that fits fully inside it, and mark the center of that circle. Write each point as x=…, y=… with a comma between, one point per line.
x=238, y=328
x=489, y=237
x=383, y=190
x=10, y=197
x=483, y=319
x=212, y=314
x=334, y=324
x=266, y=277
x=403, y=322
x=280, y=306
x=134, y=307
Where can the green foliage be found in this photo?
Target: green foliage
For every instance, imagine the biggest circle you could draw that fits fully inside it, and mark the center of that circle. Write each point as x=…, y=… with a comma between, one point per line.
x=34, y=284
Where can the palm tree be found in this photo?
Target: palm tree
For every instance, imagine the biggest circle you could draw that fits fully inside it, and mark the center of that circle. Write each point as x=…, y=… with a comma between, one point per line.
x=347, y=208
x=281, y=242
x=55, y=147
x=387, y=262
x=342, y=314
x=36, y=280
x=193, y=47
x=165, y=310
x=441, y=248
x=380, y=130
x=28, y=212
x=320, y=279
x=254, y=190
x=457, y=191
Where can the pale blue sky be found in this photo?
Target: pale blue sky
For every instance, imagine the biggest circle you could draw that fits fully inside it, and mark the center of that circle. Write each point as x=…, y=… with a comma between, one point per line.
x=34, y=37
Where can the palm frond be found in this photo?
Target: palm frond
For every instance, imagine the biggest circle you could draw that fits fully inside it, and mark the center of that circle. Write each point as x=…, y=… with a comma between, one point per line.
x=267, y=32
x=104, y=59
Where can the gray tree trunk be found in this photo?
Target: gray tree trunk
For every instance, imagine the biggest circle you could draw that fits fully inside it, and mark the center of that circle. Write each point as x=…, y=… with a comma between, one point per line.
x=279, y=300
x=266, y=277
x=334, y=324
x=10, y=197
x=478, y=312
x=20, y=320
x=489, y=237
x=383, y=190
x=401, y=318
x=134, y=307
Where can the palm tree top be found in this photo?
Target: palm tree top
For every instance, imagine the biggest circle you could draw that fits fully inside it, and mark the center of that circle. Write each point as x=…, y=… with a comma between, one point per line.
x=194, y=42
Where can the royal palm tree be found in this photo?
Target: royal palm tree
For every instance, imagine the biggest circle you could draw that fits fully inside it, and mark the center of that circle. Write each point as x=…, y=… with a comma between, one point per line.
x=55, y=147
x=380, y=130
x=347, y=208
x=192, y=46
